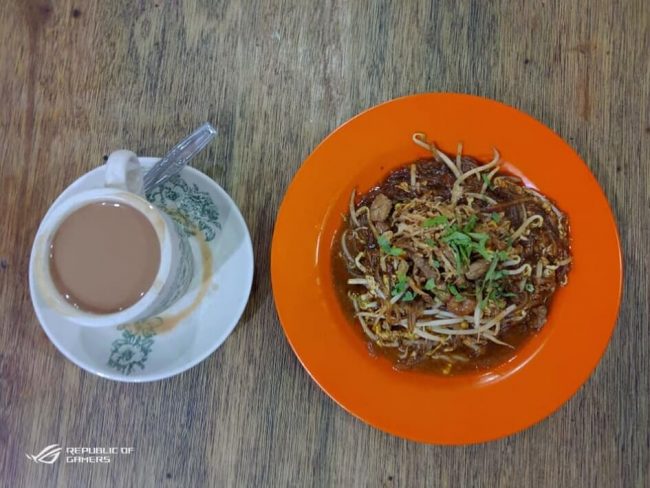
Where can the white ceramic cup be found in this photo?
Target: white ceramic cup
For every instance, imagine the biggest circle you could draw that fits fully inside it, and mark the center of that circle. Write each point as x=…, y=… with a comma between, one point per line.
x=123, y=184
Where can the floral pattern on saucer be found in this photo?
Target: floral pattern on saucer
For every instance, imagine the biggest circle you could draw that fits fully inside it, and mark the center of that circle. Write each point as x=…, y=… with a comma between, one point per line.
x=191, y=209
x=130, y=350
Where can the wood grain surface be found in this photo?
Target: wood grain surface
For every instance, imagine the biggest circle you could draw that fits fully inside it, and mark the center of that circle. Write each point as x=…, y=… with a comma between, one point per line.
x=81, y=78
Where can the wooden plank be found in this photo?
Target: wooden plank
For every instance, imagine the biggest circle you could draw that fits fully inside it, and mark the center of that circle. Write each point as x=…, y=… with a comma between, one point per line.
x=79, y=79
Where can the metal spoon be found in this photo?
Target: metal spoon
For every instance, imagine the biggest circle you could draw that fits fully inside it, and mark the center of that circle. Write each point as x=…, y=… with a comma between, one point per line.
x=179, y=156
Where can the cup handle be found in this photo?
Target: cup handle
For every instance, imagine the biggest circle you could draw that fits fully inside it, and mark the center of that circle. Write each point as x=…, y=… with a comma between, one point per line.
x=123, y=171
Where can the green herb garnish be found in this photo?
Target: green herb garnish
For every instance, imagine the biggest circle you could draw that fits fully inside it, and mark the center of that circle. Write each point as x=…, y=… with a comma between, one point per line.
x=430, y=242
x=498, y=275
x=450, y=229
x=409, y=296
x=471, y=223
x=489, y=276
x=383, y=241
x=400, y=286
x=430, y=284
x=463, y=244
x=457, y=237
x=432, y=222
x=457, y=256
x=486, y=181
x=529, y=287
x=479, y=246
x=454, y=291
x=493, y=295
x=495, y=217
x=479, y=236
x=384, y=245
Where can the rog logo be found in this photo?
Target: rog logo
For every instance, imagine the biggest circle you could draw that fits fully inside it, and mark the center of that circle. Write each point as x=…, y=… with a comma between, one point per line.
x=47, y=456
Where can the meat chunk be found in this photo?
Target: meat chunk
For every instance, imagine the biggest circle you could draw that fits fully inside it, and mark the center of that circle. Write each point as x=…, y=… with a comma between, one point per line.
x=460, y=281
x=380, y=208
x=382, y=227
x=477, y=269
x=464, y=307
x=423, y=266
x=537, y=316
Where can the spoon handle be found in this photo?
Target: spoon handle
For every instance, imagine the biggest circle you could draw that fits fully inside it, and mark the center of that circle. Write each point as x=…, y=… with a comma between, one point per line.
x=178, y=157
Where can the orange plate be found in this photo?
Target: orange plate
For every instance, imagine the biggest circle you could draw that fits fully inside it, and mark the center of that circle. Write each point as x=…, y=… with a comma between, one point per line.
x=544, y=373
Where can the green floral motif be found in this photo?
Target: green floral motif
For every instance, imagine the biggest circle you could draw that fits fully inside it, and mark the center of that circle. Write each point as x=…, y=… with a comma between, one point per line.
x=190, y=207
x=131, y=350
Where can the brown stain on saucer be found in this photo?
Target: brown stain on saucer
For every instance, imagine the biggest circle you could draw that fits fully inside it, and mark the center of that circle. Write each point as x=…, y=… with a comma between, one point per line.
x=165, y=323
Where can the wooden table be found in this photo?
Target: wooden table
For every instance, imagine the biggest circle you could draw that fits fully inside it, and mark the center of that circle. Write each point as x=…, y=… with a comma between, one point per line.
x=81, y=78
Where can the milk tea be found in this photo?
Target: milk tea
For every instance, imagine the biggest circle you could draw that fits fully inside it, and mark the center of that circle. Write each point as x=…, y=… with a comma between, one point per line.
x=104, y=257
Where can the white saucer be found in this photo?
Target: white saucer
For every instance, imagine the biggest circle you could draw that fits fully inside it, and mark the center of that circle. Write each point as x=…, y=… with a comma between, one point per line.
x=209, y=311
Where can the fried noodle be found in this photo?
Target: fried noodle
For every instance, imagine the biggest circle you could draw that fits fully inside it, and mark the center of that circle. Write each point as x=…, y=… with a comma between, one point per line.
x=447, y=254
